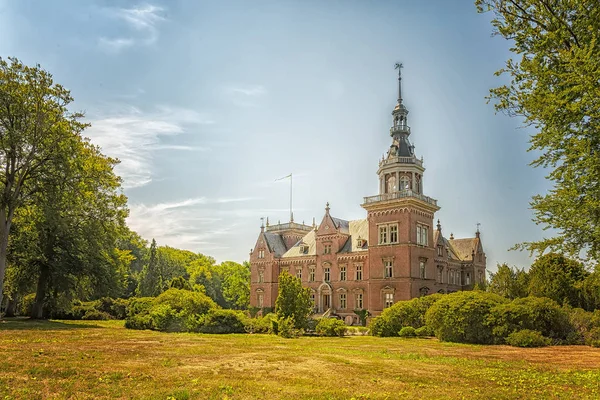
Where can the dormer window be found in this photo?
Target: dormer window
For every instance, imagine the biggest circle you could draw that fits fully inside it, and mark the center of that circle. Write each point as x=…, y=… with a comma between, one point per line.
x=360, y=243
x=327, y=249
x=303, y=248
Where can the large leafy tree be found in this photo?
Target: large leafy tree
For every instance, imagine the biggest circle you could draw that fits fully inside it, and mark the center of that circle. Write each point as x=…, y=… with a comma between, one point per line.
x=35, y=124
x=235, y=284
x=293, y=301
x=557, y=277
x=509, y=282
x=555, y=86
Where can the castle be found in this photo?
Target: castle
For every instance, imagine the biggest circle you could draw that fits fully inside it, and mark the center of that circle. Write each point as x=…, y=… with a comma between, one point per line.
x=396, y=253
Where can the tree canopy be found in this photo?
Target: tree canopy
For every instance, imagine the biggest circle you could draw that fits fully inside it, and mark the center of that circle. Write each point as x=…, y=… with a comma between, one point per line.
x=555, y=86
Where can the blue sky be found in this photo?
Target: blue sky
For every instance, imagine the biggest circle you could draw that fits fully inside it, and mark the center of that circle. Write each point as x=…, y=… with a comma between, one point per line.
x=207, y=103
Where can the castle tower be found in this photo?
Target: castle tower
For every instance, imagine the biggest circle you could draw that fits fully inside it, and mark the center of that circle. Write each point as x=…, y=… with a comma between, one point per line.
x=401, y=248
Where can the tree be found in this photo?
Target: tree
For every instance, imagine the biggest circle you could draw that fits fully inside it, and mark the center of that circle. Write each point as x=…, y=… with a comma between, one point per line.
x=554, y=87
x=34, y=125
x=509, y=282
x=293, y=301
x=235, y=284
x=556, y=277
x=151, y=282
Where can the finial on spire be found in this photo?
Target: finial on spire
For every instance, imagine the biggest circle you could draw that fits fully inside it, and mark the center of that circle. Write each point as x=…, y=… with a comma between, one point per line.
x=399, y=67
x=291, y=216
x=451, y=236
x=477, y=232
x=314, y=223
x=439, y=226
x=327, y=208
x=262, y=224
x=267, y=222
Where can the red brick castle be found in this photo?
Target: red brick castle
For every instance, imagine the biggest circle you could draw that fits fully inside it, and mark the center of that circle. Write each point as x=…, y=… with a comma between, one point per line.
x=396, y=253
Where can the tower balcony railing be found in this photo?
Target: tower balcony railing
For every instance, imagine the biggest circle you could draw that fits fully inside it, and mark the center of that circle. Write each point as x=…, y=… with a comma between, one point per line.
x=402, y=160
x=399, y=195
x=288, y=226
x=400, y=128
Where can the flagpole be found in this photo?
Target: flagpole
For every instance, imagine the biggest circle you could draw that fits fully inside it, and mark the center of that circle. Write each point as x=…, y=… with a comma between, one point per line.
x=291, y=213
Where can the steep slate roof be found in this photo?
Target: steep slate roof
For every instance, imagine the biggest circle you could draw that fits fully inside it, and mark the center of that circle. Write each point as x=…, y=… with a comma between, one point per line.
x=464, y=247
x=275, y=243
x=342, y=225
x=308, y=240
x=404, y=147
x=357, y=229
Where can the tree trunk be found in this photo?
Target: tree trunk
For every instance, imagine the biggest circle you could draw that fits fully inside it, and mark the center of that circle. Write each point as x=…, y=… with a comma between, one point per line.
x=37, y=311
x=4, y=229
x=11, y=307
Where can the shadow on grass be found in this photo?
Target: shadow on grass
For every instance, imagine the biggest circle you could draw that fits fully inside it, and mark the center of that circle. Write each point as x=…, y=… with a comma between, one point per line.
x=28, y=324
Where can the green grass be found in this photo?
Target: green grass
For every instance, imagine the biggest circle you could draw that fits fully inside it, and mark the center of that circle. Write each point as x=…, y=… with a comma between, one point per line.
x=101, y=359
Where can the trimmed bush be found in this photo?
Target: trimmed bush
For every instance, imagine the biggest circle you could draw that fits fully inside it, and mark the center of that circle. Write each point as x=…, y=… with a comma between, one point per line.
x=96, y=315
x=407, y=331
x=285, y=327
x=223, y=321
x=401, y=314
x=539, y=314
x=462, y=317
x=188, y=302
x=330, y=327
x=424, y=331
x=527, y=338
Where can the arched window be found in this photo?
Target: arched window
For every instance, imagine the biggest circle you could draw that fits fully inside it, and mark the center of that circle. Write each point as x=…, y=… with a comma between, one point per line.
x=391, y=183
x=404, y=183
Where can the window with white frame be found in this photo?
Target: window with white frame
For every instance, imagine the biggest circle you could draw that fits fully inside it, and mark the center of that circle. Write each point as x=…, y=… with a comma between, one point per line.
x=261, y=254
x=393, y=233
x=311, y=274
x=388, y=300
x=327, y=273
x=343, y=273
x=389, y=267
x=422, y=234
x=299, y=273
x=312, y=298
x=260, y=300
x=404, y=183
x=440, y=251
x=343, y=301
x=383, y=234
x=327, y=249
x=261, y=276
x=359, y=272
x=359, y=301
x=422, y=269
x=468, y=278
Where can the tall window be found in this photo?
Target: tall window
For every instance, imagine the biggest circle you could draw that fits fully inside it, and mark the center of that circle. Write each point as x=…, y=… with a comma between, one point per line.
x=422, y=269
x=327, y=274
x=261, y=276
x=343, y=273
x=404, y=183
x=311, y=275
x=388, y=268
x=422, y=235
x=343, y=301
x=359, y=272
x=260, y=300
x=383, y=234
x=393, y=233
x=299, y=273
x=439, y=274
x=327, y=249
x=480, y=276
x=261, y=254
x=468, y=278
x=359, y=301
x=389, y=300
x=440, y=250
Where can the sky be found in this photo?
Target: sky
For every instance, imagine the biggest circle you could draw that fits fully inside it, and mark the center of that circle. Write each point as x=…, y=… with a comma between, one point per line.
x=207, y=103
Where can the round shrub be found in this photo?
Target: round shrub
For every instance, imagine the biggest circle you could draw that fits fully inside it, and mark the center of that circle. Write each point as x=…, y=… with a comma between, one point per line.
x=191, y=303
x=527, y=338
x=223, y=321
x=139, y=321
x=407, y=331
x=424, y=331
x=165, y=319
x=403, y=313
x=95, y=315
x=330, y=327
x=531, y=313
x=592, y=338
x=462, y=317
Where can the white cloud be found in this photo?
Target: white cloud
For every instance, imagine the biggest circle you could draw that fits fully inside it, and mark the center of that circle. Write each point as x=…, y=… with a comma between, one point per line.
x=248, y=90
x=134, y=136
x=141, y=20
x=245, y=95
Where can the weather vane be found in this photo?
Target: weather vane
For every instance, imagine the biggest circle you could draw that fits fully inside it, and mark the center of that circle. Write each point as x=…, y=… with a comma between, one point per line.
x=399, y=67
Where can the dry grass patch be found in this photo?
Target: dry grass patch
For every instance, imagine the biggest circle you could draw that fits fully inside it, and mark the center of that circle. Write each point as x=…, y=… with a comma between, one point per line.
x=101, y=359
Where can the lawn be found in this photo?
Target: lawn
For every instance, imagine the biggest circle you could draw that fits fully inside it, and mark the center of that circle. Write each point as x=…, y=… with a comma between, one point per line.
x=101, y=359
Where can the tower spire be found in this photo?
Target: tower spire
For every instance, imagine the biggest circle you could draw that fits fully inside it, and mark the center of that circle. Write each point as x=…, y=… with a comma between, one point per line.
x=399, y=67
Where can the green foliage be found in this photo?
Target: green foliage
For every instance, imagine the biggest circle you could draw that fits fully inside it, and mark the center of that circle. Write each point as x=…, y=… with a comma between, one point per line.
x=293, y=301
x=539, y=314
x=401, y=314
x=235, y=284
x=224, y=321
x=191, y=303
x=527, y=338
x=462, y=317
x=509, y=282
x=179, y=282
x=286, y=328
x=407, y=331
x=362, y=316
x=556, y=277
x=260, y=324
x=330, y=327
x=96, y=315
x=424, y=331
x=554, y=87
